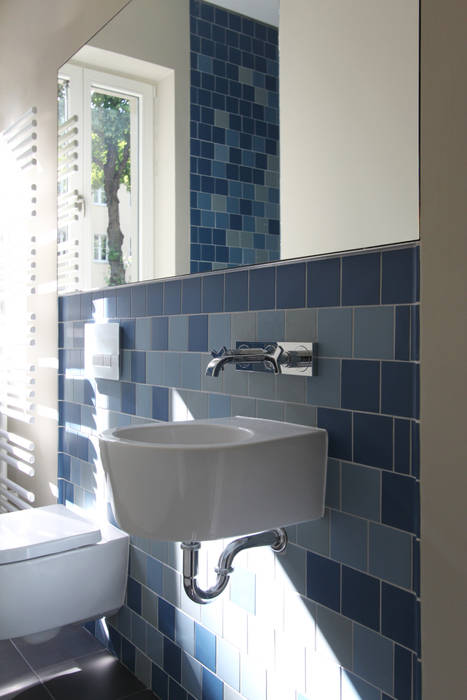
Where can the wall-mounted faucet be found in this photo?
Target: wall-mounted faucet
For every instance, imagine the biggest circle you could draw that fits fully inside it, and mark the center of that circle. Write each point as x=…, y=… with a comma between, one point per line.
x=281, y=358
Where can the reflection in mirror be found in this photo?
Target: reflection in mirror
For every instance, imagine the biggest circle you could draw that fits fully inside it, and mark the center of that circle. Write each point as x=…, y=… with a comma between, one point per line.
x=169, y=137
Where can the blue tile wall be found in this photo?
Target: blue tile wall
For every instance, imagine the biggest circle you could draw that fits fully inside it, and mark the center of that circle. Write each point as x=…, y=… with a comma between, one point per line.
x=234, y=144
x=352, y=578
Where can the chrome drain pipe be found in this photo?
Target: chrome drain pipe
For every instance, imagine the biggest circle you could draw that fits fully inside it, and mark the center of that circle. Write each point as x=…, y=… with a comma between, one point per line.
x=277, y=539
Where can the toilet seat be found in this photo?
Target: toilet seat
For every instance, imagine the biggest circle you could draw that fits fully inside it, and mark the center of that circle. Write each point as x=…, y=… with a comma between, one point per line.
x=37, y=532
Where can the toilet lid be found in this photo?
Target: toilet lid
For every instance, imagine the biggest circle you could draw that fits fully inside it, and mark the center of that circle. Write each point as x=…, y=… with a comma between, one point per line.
x=36, y=532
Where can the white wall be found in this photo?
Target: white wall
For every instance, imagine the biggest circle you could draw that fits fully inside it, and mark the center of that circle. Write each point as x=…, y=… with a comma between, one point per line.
x=349, y=124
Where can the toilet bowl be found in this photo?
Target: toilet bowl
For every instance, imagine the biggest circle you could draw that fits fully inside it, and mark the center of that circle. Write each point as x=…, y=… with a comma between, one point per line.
x=57, y=568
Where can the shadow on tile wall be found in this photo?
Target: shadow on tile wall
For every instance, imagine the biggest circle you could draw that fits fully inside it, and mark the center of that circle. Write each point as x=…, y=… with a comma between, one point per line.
x=337, y=616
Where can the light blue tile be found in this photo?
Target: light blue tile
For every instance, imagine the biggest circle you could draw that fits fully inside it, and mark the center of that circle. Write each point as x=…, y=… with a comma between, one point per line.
x=373, y=658
x=125, y=374
x=172, y=371
x=228, y=663
x=262, y=385
x=349, y=539
x=242, y=406
x=290, y=388
x=243, y=327
x=144, y=400
x=302, y=415
x=335, y=332
x=185, y=632
x=361, y=491
x=314, y=535
x=271, y=325
x=336, y=632
x=155, y=368
x=219, y=406
x=243, y=589
x=235, y=381
x=178, y=332
x=218, y=331
x=75, y=471
x=293, y=563
x=155, y=643
x=333, y=484
x=191, y=370
x=124, y=621
x=138, y=561
x=252, y=679
x=159, y=550
x=191, y=675
x=196, y=403
x=138, y=631
x=143, y=334
x=272, y=410
x=88, y=476
x=374, y=332
x=171, y=583
x=143, y=668
x=300, y=324
x=323, y=389
x=391, y=554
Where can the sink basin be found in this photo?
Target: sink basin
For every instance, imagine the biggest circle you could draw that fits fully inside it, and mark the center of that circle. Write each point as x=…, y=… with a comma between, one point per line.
x=209, y=479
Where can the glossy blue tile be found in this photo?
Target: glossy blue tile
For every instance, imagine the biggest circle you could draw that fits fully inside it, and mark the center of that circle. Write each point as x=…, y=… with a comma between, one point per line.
x=416, y=566
x=374, y=658
x=219, y=406
x=402, y=446
x=335, y=332
x=160, y=683
x=155, y=298
x=270, y=325
x=390, y=555
x=236, y=291
x=205, y=647
x=166, y=613
x=400, y=276
x=128, y=654
x=212, y=687
x=160, y=333
x=399, y=616
x=402, y=673
x=128, y=397
x=324, y=388
x=333, y=488
x=172, y=659
x=263, y=288
x=143, y=334
x=349, y=540
x=154, y=575
x=373, y=440
x=138, y=300
x=360, y=597
x=160, y=403
x=198, y=333
x=64, y=466
x=354, y=687
x=127, y=334
x=415, y=333
x=323, y=282
x=415, y=449
x=361, y=279
x=339, y=427
x=374, y=332
x=172, y=369
x=323, y=581
x=133, y=593
x=360, y=385
x=191, y=295
x=191, y=370
x=138, y=367
x=400, y=501
x=361, y=491
x=416, y=678
x=402, y=342
x=400, y=389
x=218, y=331
x=178, y=333
x=123, y=297
x=172, y=297
x=290, y=286
x=176, y=691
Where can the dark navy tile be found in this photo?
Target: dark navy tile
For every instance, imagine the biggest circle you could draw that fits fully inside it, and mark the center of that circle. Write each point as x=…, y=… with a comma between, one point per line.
x=123, y=297
x=198, y=333
x=416, y=679
x=172, y=297
x=349, y=540
x=133, y=593
x=402, y=673
x=154, y=575
x=191, y=295
x=360, y=597
x=416, y=449
x=416, y=566
x=155, y=299
x=415, y=333
x=205, y=647
x=400, y=389
x=354, y=687
x=360, y=385
x=64, y=466
x=402, y=446
x=160, y=403
x=176, y=691
x=128, y=397
x=213, y=688
x=400, y=501
x=160, y=683
x=400, y=276
x=166, y=618
x=323, y=581
x=324, y=282
x=172, y=659
x=236, y=291
x=128, y=653
x=86, y=307
x=373, y=440
x=402, y=344
x=160, y=333
x=127, y=334
x=399, y=615
x=374, y=658
x=70, y=308
x=360, y=279
x=138, y=367
x=339, y=427
x=138, y=300
x=291, y=286
x=263, y=288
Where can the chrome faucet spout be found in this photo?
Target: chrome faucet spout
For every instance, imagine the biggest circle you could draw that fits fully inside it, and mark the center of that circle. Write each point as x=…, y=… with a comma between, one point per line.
x=269, y=356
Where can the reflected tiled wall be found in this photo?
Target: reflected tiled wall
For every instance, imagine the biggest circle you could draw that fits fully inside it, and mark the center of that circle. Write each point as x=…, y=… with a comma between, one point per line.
x=337, y=616
x=234, y=168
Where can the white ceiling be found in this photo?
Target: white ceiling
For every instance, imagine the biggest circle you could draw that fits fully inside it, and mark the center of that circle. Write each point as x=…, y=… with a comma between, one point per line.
x=263, y=10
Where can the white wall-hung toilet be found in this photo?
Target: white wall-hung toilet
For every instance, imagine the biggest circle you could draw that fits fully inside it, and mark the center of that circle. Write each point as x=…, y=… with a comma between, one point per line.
x=57, y=568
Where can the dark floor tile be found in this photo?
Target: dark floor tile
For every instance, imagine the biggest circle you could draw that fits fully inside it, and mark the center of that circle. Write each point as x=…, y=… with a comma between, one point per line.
x=16, y=677
x=96, y=677
x=33, y=692
x=70, y=643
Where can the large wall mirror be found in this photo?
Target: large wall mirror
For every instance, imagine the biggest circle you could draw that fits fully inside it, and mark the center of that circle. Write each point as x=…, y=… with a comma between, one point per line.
x=195, y=136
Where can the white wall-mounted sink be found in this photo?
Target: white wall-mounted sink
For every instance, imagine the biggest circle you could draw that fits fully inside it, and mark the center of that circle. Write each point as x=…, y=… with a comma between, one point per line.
x=208, y=479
